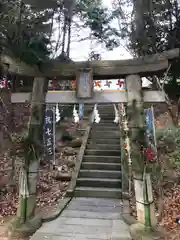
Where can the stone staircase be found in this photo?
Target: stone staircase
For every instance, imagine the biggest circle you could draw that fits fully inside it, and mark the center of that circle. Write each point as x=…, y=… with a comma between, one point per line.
x=100, y=172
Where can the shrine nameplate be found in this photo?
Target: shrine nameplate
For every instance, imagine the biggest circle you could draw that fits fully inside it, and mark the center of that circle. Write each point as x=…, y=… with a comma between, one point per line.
x=84, y=84
x=48, y=134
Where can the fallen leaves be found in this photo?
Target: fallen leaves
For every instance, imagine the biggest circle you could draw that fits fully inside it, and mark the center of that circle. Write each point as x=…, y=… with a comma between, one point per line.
x=50, y=189
x=171, y=208
x=52, y=183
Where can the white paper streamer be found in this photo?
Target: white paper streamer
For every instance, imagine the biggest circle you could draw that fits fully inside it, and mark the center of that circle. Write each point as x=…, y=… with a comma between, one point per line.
x=24, y=192
x=97, y=118
x=116, y=120
x=75, y=115
x=58, y=116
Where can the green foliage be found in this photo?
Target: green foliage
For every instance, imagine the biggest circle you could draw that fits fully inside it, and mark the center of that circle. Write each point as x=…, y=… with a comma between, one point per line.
x=24, y=32
x=98, y=18
x=154, y=26
x=168, y=142
x=27, y=27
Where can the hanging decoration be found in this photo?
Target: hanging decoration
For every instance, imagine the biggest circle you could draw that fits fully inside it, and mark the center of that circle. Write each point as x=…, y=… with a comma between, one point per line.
x=127, y=144
x=126, y=125
x=23, y=182
x=122, y=109
x=81, y=110
x=116, y=120
x=73, y=84
x=75, y=115
x=151, y=150
x=150, y=155
x=9, y=84
x=125, y=133
x=108, y=84
x=58, y=116
x=120, y=83
x=3, y=83
x=97, y=84
x=21, y=82
x=54, y=83
x=97, y=118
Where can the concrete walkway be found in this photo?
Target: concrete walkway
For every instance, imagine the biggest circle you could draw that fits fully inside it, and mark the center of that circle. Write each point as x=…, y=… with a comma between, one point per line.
x=87, y=219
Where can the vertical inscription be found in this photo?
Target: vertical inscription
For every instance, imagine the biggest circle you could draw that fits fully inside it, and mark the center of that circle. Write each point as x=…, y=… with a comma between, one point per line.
x=84, y=88
x=48, y=134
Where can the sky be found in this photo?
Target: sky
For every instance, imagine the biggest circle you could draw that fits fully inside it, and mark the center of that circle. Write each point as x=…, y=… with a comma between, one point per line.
x=80, y=51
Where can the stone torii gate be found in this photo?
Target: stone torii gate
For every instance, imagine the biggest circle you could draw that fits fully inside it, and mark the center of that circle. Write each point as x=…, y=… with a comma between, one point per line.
x=145, y=66
x=85, y=72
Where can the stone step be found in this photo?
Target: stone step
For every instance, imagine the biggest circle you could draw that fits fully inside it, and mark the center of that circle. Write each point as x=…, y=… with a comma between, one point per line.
x=106, y=131
x=107, y=122
x=105, y=109
x=106, y=159
x=105, y=127
x=104, y=140
x=107, y=152
x=108, y=117
x=87, y=112
x=99, y=174
x=98, y=192
x=92, y=145
x=101, y=166
x=105, y=112
x=104, y=134
x=99, y=182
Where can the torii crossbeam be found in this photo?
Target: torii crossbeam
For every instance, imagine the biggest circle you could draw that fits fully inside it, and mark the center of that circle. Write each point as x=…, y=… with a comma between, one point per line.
x=69, y=97
x=143, y=66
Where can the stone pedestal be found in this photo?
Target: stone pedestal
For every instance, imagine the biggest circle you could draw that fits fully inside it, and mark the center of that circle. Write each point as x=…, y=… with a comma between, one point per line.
x=143, y=202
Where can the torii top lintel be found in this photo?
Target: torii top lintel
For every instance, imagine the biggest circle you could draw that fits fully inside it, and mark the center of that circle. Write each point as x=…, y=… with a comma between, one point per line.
x=108, y=69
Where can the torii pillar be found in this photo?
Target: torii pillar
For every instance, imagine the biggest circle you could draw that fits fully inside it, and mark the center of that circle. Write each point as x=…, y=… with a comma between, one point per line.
x=141, y=171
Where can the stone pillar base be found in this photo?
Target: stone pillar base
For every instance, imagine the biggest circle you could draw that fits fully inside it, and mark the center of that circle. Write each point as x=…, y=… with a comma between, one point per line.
x=141, y=203
x=17, y=230
x=140, y=232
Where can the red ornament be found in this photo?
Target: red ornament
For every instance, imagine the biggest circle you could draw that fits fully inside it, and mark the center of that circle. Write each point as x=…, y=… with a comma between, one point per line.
x=3, y=83
x=97, y=83
x=149, y=154
x=120, y=83
x=73, y=84
x=54, y=83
